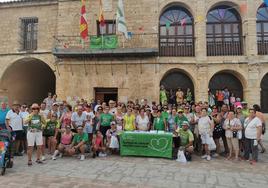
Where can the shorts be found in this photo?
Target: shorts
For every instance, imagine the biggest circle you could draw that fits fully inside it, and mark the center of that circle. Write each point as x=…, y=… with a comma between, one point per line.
x=205, y=138
x=104, y=129
x=34, y=138
x=19, y=135
x=233, y=143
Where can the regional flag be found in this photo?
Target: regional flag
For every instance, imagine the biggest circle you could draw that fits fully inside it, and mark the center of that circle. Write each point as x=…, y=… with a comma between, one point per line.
x=83, y=21
x=120, y=17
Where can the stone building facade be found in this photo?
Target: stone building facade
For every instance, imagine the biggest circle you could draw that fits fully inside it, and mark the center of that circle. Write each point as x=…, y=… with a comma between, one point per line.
x=137, y=67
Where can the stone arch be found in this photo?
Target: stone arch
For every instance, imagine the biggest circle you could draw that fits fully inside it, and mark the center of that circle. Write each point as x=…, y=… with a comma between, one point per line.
x=28, y=80
x=234, y=4
x=264, y=93
x=184, y=5
x=230, y=79
x=178, y=78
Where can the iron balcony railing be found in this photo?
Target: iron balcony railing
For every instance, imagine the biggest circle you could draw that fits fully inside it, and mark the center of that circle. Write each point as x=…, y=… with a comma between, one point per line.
x=227, y=46
x=177, y=46
x=262, y=46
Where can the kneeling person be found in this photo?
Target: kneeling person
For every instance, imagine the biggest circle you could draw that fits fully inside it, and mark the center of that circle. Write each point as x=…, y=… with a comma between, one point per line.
x=79, y=143
x=186, y=139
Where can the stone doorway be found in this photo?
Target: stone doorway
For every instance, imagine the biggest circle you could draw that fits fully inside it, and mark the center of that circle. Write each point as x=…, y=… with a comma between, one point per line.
x=106, y=94
x=227, y=80
x=27, y=81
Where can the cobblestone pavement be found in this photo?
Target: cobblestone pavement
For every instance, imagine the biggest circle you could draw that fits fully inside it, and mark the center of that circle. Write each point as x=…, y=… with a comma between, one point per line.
x=116, y=171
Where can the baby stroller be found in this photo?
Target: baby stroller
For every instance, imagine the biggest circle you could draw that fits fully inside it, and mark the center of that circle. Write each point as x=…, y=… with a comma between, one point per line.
x=5, y=150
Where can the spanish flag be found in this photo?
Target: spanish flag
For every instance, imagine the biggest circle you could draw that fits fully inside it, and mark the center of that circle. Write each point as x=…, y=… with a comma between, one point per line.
x=101, y=16
x=83, y=21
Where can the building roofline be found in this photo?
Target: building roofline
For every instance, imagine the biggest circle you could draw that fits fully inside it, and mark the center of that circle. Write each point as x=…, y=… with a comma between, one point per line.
x=16, y=3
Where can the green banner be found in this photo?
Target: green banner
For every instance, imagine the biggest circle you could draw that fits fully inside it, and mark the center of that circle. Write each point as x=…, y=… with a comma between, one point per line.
x=146, y=144
x=103, y=42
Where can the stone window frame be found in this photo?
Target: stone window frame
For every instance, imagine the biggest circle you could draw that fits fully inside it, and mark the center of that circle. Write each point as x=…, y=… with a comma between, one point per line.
x=224, y=32
x=28, y=33
x=262, y=29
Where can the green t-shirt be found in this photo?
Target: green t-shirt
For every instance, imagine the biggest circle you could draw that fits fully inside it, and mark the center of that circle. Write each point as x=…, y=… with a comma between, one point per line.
x=50, y=128
x=181, y=120
x=185, y=136
x=78, y=138
x=245, y=112
x=159, y=124
x=163, y=96
x=106, y=119
x=165, y=115
x=35, y=122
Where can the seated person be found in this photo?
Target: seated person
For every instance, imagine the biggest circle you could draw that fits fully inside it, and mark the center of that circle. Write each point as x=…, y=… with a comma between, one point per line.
x=79, y=143
x=97, y=145
x=50, y=133
x=186, y=139
x=111, y=135
x=65, y=142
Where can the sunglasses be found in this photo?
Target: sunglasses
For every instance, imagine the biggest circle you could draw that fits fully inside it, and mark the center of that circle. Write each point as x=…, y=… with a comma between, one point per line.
x=99, y=109
x=35, y=108
x=24, y=106
x=180, y=112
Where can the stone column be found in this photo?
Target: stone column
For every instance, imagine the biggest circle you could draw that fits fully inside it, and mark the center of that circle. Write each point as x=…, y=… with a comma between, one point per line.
x=200, y=30
x=253, y=94
x=201, y=90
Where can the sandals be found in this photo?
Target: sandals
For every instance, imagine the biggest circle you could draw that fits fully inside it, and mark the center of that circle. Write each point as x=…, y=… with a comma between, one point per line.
x=39, y=161
x=30, y=163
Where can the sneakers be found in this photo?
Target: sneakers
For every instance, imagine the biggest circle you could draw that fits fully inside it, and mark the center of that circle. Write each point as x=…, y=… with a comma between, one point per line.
x=215, y=155
x=208, y=158
x=60, y=155
x=204, y=157
x=55, y=154
x=43, y=158
x=54, y=157
x=102, y=154
x=82, y=158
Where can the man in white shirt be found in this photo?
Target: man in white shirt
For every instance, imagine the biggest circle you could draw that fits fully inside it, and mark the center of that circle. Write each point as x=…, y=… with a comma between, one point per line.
x=78, y=118
x=253, y=130
x=23, y=114
x=14, y=123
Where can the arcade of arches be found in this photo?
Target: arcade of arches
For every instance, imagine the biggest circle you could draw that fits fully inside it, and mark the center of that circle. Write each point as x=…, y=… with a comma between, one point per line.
x=27, y=80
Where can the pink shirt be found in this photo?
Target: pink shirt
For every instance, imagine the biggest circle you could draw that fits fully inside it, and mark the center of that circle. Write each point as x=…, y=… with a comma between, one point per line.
x=66, y=139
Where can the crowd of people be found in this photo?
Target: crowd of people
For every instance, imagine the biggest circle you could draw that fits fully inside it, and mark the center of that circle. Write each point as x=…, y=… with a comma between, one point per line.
x=58, y=129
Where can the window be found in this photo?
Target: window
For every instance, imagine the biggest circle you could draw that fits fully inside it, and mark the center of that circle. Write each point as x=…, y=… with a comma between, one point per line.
x=224, y=32
x=109, y=28
x=176, y=32
x=262, y=30
x=29, y=28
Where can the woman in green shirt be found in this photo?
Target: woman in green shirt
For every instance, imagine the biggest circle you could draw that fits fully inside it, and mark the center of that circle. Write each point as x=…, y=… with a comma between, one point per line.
x=159, y=122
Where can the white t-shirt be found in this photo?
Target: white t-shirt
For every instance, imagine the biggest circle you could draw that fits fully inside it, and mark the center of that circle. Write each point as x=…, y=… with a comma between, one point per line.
x=251, y=127
x=88, y=125
x=232, y=123
x=24, y=115
x=44, y=113
x=79, y=119
x=204, y=125
x=142, y=123
x=15, y=120
x=49, y=102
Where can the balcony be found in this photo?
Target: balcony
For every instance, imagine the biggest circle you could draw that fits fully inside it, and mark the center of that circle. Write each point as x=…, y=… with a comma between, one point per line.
x=106, y=46
x=224, y=46
x=177, y=46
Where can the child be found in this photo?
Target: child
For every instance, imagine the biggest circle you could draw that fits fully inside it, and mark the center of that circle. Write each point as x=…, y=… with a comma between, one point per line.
x=97, y=145
x=50, y=133
x=111, y=135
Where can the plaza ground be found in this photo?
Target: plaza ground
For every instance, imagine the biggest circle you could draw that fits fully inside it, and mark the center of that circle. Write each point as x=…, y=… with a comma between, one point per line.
x=116, y=171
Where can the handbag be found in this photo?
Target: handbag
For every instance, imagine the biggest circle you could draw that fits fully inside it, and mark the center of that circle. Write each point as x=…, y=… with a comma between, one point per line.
x=181, y=157
x=114, y=143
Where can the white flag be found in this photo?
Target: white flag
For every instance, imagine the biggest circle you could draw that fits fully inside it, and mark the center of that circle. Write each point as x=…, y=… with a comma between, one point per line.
x=120, y=18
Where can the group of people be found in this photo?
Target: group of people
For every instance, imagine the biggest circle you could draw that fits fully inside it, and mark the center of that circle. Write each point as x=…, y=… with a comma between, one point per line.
x=57, y=128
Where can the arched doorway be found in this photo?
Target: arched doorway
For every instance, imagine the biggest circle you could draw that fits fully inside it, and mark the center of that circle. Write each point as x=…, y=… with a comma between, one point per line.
x=264, y=94
x=28, y=81
x=227, y=80
x=175, y=79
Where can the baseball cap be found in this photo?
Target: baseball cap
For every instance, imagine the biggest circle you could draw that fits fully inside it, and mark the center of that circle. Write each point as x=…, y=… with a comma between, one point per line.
x=180, y=110
x=113, y=123
x=55, y=104
x=79, y=127
x=185, y=123
x=239, y=106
